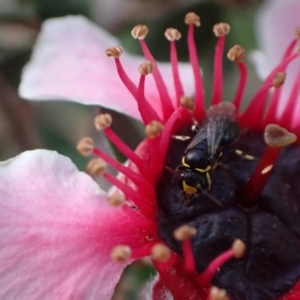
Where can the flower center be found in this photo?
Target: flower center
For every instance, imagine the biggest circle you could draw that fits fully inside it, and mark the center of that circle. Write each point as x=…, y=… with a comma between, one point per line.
x=270, y=230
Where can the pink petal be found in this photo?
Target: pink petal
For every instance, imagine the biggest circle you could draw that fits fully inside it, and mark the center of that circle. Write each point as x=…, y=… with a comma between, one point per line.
x=56, y=231
x=276, y=24
x=69, y=63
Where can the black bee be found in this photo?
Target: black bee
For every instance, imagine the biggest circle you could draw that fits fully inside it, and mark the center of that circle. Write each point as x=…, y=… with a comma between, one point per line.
x=201, y=156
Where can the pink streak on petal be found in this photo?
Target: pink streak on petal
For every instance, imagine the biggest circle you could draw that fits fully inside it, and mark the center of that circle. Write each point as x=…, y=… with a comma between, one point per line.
x=276, y=24
x=69, y=63
x=57, y=230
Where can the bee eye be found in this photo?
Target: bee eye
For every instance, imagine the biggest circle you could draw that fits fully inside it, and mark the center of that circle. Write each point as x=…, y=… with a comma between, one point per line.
x=198, y=185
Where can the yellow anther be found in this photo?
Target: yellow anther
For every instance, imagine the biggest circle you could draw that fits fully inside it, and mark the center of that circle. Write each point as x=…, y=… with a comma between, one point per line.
x=279, y=79
x=96, y=166
x=217, y=294
x=116, y=200
x=221, y=29
x=172, y=34
x=238, y=248
x=160, y=252
x=187, y=103
x=276, y=136
x=154, y=129
x=85, y=146
x=146, y=68
x=120, y=253
x=192, y=18
x=184, y=232
x=114, y=51
x=139, y=31
x=102, y=121
x=236, y=53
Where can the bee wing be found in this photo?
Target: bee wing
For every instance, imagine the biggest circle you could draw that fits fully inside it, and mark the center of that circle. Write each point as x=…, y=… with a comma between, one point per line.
x=219, y=117
x=214, y=125
x=200, y=135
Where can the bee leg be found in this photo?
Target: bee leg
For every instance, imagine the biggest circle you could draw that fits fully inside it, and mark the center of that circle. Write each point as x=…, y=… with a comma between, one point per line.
x=182, y=138
x=208, y=181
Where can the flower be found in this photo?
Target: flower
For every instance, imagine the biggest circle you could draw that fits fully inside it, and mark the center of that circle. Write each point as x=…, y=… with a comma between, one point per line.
x=234, y=234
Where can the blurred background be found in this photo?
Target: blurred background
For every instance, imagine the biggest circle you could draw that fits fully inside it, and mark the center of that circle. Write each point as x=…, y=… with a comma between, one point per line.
x=57, y=125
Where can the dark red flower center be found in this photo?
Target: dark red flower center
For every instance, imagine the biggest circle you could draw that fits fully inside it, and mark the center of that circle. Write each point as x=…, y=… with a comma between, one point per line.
x=270, y=230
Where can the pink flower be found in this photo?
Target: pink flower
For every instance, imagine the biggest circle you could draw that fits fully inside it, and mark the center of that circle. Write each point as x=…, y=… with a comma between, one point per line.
x=231, y=221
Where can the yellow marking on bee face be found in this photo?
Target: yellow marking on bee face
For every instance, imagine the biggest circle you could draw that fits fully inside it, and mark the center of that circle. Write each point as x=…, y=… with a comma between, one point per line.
x=184, y=163
x=190, y=190
x=208, y=168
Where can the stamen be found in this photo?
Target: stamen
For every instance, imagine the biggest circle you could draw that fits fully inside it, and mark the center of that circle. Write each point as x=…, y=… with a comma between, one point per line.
x=140, y=32
x=145, y=187
x=178, y=282
x=173, y=35
x=116, y=53
x=185, y=233
x=96, y=166
x=180, y=114
x=85, y=146
x=236, y=53
x=254, y=113
x=154, y=129
x=120, y=253
x=147, y=112
x=276, y=137
x=160, y=252
x=116, y=200
x=131, y=155
x=220, y=31
x=145, y=205
x=146, y=68
x=187, y=103
x=102, y=121
x=279, y=80
x=192, y=19
x=257, y=105
x=238, y=250
x=287, y=117
x=217, y=294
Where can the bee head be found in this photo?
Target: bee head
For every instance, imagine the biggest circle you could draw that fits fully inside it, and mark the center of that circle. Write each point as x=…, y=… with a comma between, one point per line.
x=190, y=181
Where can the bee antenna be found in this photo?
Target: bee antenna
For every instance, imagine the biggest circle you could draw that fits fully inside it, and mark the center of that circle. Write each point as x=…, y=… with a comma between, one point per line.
x=212, y=198
x=175, y=173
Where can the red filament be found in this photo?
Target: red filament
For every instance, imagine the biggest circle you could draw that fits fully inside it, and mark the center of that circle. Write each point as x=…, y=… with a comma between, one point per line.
x=204, y=279
x=218, y=71
x=259, y=178
x=241, y=86
x=167, y=105
x=176, y=77
x=199, y=90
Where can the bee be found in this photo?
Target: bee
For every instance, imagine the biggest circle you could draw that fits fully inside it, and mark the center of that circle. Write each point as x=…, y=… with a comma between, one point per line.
x=203, y=153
